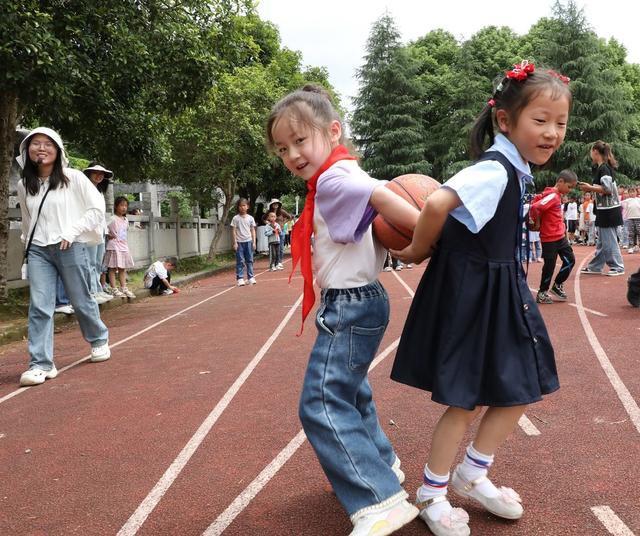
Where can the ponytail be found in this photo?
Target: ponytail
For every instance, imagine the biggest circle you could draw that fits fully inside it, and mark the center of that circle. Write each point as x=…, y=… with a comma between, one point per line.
x=604, y=149
x=482, y=128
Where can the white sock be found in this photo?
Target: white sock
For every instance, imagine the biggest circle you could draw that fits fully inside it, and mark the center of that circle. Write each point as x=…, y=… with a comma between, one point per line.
x=475, y=465
x=434, y=485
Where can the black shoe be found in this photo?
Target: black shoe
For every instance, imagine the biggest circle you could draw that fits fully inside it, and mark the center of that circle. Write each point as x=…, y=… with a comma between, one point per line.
x=558, y=290
x=543, y=297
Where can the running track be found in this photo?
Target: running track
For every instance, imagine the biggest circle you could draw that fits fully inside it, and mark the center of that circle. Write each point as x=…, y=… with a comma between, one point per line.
x=191, y=428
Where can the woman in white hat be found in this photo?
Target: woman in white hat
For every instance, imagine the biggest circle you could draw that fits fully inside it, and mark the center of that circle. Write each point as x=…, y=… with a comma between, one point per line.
x=101, y=178
x=62, y=213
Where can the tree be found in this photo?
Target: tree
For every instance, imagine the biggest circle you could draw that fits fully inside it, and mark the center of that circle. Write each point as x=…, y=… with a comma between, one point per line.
x=105, y=74
x=385, y=127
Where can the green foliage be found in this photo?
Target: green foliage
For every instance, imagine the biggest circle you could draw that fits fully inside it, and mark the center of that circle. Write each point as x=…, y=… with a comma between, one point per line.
x=385, y=127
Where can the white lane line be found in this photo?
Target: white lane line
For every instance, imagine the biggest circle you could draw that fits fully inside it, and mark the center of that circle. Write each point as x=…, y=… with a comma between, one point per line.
x=611, y=521
x=527, y=426
x=248, y=494
x=155, y=495
x=597, y=313
x=126, y=339
x=621, y=390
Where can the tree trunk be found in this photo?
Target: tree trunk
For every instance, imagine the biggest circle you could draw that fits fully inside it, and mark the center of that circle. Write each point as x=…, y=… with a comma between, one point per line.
x=229, y=192
x=8, y=120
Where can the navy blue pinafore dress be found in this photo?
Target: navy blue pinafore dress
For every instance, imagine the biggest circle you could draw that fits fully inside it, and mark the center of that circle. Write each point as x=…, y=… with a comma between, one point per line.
x=474, y=335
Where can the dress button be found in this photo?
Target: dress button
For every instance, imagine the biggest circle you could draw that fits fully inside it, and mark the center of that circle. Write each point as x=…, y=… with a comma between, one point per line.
x=526, y=306
x=535, y=340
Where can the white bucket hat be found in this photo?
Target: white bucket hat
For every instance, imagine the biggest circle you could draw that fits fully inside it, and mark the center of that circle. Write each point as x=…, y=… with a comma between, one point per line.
x=24, y=145
x=97, y=167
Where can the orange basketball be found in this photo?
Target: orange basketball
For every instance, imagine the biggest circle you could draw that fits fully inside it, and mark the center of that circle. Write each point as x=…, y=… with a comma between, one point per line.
x=413, y=188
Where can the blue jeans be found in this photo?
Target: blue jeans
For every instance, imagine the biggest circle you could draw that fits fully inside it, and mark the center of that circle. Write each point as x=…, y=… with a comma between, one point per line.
x=336, y=406
x=45, y=264
x=607, y=251
x=244, y=257
x=96, y=254
x=61, y=293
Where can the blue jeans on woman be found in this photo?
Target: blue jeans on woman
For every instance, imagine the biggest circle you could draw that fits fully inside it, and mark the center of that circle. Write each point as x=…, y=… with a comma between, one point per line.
x=45, y=264
x=607, y=251
x=96, y=254
x=336, y=406
x=244, y=257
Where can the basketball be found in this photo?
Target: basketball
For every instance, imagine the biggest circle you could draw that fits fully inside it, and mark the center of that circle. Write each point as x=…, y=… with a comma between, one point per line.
x=413, y=188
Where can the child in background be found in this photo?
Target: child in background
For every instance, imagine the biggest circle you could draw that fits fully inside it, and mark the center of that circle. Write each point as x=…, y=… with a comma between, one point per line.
x=474, y=336
x=244, y=241
x=336, y=406
x=117, y=256
x=157, y=277
x=572, y=218
x=631, y=217
x=536, y=247
x=273, y=238
x=547, y=209
x=587, y=210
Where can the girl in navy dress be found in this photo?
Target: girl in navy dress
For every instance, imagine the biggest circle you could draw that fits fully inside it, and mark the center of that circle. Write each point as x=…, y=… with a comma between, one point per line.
x=336, y=405
x=474, y=336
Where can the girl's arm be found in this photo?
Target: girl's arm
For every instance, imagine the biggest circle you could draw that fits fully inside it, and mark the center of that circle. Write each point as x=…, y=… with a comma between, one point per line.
x=394, y=208
x=430, y=223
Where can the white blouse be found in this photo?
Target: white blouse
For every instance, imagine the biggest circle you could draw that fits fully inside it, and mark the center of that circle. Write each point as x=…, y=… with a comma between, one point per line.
x=74, y=213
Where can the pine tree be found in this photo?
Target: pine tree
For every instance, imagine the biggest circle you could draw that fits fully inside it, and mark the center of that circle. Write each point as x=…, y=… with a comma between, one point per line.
x=386, y=121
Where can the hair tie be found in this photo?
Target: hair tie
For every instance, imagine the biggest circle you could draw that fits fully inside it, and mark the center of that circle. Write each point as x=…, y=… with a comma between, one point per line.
x=521, y=71
x=491, y=103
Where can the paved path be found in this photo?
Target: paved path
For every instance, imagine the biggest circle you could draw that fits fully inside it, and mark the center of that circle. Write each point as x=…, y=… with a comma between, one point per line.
x=192, y=429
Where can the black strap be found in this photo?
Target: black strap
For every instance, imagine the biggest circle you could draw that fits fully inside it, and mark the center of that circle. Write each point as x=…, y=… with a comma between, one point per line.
x=33, y=230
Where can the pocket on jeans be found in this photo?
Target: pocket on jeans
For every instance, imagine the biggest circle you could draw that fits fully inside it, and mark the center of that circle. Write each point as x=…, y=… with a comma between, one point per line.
x=363, y=344
x=322, y=322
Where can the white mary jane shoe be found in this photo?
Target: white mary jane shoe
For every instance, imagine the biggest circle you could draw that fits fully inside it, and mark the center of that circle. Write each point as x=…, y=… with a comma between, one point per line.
x=506, y=505
x=453, y=523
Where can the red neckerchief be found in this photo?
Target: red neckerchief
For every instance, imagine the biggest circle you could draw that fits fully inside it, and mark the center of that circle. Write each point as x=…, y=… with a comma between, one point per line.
x=303, y=229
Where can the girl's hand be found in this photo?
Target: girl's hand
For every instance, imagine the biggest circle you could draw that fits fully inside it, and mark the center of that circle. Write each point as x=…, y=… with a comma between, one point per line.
x=235, y=246
x=411, y=255
x=65, y=245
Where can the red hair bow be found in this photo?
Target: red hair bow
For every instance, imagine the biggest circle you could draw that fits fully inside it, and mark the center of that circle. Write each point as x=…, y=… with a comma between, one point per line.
x=521, y=71
x=564, y=79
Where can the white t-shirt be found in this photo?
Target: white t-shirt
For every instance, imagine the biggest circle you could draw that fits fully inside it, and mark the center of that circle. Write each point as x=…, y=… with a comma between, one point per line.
x=631, y=208
x=346, y=254
x=572, y=211
x=243, y=225
x=156, y=269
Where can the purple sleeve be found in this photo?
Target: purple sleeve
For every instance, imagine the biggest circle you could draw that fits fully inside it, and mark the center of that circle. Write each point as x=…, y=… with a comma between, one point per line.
x=343, y=201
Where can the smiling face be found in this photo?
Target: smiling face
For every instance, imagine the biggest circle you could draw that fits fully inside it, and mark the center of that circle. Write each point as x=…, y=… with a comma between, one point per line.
x=539, y=129
x=43, y=150
x=303, y=149
x=96, y=177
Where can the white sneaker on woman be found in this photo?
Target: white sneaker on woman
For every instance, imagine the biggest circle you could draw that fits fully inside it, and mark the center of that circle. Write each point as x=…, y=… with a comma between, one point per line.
x=383, y=518
x=36, y=376
x=100, y=353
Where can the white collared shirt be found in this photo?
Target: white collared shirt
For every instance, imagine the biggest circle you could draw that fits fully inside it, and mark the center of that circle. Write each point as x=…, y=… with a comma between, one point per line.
x=481, y=186
x=74, y=213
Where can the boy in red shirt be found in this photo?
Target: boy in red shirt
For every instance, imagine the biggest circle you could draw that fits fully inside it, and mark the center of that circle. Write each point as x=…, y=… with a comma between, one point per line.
x=546, y=208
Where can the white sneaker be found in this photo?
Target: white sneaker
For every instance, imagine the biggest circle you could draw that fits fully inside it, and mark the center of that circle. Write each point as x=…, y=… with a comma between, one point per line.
x=385, y=517
x=126, y=292
x=99, y=299
x=240, y=282
x=166, y=292
x=279, y=266
x=65, y=309
x=116, y=293
x=398, y=472
x=398, y=268
x=100, y=353
x=409, y=266
x=630, y=250
x=36, y=376
x=107, y=297
x=387, y=269
x=253, y=281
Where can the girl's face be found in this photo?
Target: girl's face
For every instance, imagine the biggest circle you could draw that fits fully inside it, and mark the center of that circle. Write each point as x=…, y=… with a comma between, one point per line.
x=42, y=150
x=540, y=128
x=243, y=208
x=96, y=177
x=272, y=217
x=302, y=149
x=121, y=208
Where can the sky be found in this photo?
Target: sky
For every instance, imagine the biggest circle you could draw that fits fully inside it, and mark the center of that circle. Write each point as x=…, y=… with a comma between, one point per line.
x=333, y=33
